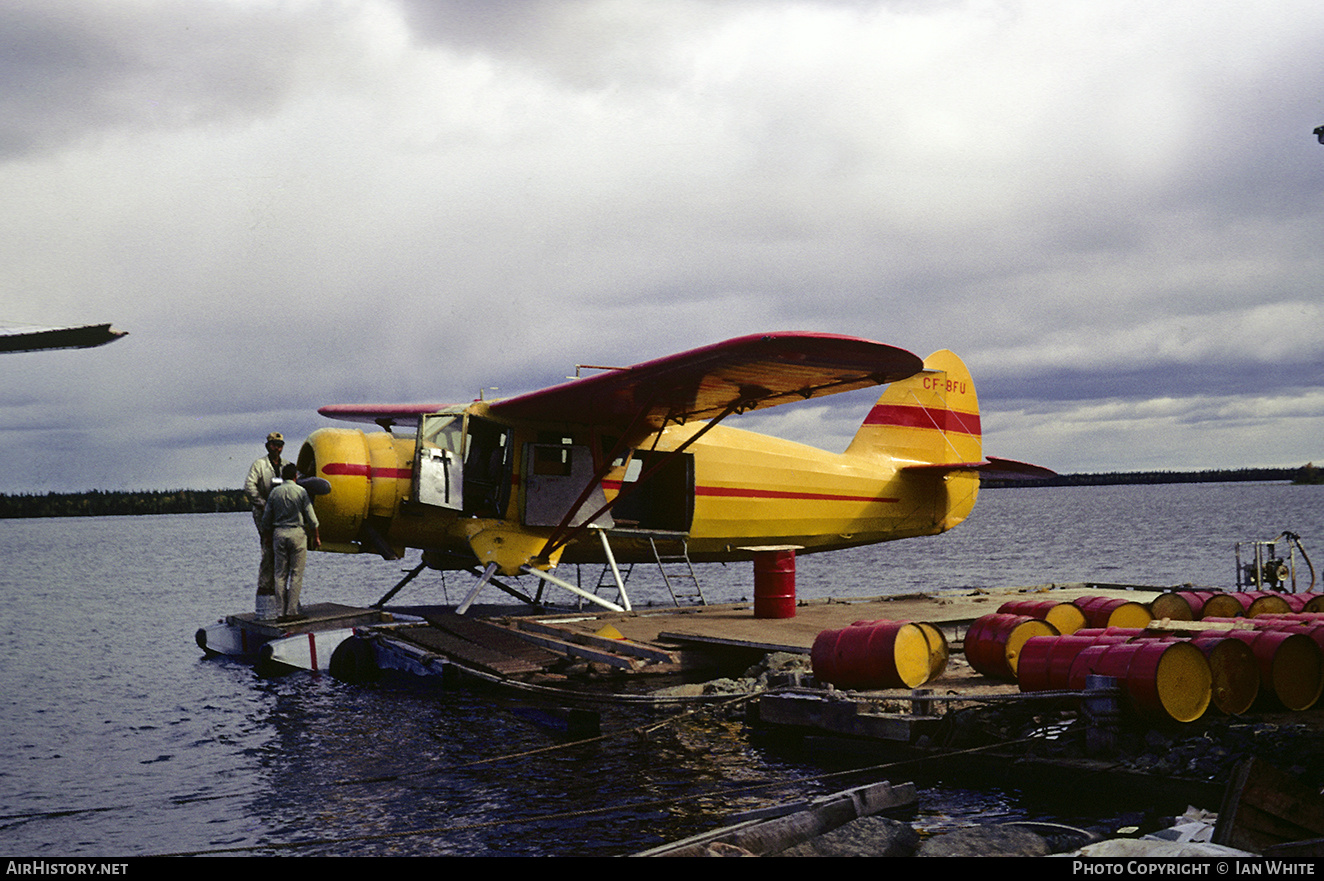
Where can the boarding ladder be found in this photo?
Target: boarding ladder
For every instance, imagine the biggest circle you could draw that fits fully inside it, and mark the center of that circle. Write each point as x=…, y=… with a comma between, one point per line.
x=686, y=574
x=682, y=570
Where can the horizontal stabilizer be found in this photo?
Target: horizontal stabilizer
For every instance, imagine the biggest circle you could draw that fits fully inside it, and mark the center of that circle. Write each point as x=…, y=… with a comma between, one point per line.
x=1007, y=469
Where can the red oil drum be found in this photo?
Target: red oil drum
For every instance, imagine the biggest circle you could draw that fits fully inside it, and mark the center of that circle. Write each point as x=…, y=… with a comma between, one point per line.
x=1113, y=612
x=1314, y=602
x=1210, y=603
x=1291, y=666
x=1163, y=679
x=874, y=654
x=993, y=643
x=774, y=583
x=1263, y=602
x=1066, y=617
x=1045, y=661
x=1174, y=605
x=1234, y=671
x=1298, y=601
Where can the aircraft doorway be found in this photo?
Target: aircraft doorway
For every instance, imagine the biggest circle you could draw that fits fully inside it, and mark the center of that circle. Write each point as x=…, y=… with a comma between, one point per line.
x=665, y=501
x=463, y=464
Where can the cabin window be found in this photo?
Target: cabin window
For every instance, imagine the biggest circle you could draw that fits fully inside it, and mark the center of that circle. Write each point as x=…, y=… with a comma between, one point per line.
x=551, y=461
x=445, y=432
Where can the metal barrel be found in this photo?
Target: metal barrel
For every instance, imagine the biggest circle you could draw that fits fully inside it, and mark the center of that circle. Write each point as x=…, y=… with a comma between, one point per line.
x=1066, y=617
x=1212, y=604
x=993, y=643
x=1045, y=661
x=1173, y=605
x=1291, y=666
x=874, y=654
x=1235, y=673
x=774, y=583
x=1113, y=612
x=1164, y=679
x=1263, y=602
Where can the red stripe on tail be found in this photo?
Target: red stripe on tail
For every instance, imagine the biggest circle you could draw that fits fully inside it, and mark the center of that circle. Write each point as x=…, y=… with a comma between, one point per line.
x=910, y=416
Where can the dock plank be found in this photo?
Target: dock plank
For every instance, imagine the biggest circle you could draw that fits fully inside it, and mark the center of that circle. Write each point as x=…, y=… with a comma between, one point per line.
x=466, y=652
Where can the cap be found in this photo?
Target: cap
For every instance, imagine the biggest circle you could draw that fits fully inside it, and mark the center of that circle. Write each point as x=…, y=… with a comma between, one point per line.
x=276, y=437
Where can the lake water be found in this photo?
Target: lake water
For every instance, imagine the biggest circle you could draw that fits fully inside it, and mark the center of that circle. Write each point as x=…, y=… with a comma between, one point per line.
x=122, y=740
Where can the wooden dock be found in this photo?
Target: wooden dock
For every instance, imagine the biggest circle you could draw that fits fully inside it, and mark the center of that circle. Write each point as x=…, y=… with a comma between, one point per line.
x=695, y=639
x=697, y=629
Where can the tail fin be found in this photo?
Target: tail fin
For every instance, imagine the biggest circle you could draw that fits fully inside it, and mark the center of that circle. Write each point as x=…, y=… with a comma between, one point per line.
x=931, y=418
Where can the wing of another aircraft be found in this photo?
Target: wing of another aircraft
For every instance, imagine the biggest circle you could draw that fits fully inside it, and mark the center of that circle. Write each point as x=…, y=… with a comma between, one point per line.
x=736, y=375
x=380, y=414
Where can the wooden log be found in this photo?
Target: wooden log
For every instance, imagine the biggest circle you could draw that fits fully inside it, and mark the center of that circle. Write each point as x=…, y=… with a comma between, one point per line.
x=1264, y=807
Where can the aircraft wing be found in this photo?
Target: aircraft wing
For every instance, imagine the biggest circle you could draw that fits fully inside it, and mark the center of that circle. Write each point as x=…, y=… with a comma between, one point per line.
x=736, y=375
x=380, y=414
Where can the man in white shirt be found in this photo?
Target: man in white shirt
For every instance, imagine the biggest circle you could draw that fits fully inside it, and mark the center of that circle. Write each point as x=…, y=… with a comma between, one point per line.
x=262, y=477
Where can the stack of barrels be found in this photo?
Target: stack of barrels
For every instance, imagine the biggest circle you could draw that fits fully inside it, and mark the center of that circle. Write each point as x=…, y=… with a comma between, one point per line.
x=1241, y=650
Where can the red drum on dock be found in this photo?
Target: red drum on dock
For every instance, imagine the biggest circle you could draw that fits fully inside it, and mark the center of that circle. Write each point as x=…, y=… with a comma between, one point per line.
x=1212, y=604
x=993, y=643
x=1173, y=605
x=1314, y=602
x=874, y=654
x=1113, y=612
x=774, y=582
x=1235, y=673
x=1045, y=661
x=1066, y=617
x=1263, y=602
x=1291, y=666
x=1165, y=679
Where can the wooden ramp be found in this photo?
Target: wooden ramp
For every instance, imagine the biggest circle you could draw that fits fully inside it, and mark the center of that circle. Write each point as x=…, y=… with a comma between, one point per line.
x=517, y=647
x=477, y=644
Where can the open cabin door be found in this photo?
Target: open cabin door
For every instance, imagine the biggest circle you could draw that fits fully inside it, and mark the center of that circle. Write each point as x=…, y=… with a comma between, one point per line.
x=555, y=476
x=463, y=463
x=665, y=500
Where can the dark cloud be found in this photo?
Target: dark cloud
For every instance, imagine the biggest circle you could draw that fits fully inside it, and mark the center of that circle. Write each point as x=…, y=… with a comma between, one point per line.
x=71, y=70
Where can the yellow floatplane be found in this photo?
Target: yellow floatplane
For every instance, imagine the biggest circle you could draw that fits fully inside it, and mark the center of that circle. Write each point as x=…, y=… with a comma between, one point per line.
x=618, y=466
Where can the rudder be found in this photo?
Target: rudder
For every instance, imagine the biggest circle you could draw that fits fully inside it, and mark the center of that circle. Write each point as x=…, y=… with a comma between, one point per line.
x=929, y=418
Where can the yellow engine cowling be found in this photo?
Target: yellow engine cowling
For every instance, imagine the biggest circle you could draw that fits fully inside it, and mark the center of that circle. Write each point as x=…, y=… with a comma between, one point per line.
x=369, y=474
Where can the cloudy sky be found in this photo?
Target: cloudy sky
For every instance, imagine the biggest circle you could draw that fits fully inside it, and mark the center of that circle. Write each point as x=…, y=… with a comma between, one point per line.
x=1111, y=210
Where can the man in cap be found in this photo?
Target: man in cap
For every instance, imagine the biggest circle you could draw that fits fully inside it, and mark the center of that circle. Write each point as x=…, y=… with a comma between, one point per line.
x=262, y=477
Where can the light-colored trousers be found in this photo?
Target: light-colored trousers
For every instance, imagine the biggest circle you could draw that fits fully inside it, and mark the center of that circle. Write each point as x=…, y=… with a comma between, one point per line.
x=266, y=568
x=290, y=548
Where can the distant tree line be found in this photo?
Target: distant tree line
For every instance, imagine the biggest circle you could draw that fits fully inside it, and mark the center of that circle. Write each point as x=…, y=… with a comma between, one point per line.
x=1306, y=474
x=99, y=503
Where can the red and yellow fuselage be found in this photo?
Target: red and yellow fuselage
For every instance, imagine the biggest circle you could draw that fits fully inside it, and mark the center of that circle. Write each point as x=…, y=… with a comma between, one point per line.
x=728, y=491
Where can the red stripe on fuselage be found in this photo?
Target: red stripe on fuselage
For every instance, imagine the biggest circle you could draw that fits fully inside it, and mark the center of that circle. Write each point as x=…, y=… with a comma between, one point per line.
x=736, y=492
x=341, y=469
x=910, y=416
x=352, y=469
